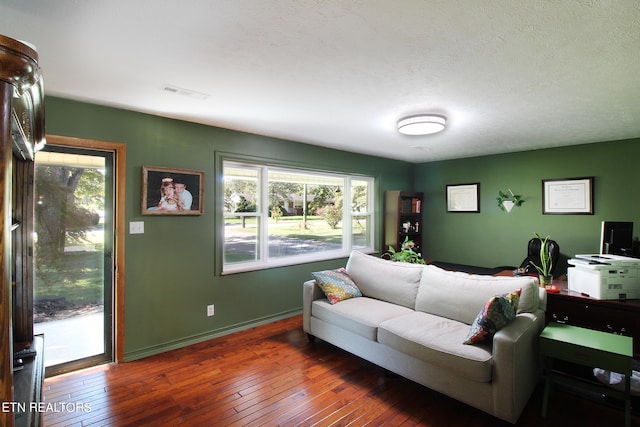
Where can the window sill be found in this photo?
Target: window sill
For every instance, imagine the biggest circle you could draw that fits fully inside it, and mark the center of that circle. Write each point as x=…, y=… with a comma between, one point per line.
x=289, y=261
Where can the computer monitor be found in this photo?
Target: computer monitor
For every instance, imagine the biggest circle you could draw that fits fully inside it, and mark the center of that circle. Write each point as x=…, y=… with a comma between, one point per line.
x=616, y=238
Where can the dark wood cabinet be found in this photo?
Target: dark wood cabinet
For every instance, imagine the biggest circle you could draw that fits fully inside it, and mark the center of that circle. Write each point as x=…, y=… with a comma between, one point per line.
x=22, y=131
x=618, y=317
x=403, y=218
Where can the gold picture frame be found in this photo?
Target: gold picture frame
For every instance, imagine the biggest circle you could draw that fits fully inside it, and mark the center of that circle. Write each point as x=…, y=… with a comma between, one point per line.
x=171, y=191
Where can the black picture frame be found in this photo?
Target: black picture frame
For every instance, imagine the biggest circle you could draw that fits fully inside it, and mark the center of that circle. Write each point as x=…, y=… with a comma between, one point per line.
x=567, y=196
x=463, y=198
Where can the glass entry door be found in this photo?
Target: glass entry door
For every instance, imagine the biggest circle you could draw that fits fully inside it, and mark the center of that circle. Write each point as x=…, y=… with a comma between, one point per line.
x=73, y=260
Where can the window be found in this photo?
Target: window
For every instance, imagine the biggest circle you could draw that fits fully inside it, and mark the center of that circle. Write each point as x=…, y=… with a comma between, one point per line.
x=277, y=216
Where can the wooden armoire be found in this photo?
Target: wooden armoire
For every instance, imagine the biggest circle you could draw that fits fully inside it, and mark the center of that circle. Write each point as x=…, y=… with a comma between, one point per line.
x=22, y=126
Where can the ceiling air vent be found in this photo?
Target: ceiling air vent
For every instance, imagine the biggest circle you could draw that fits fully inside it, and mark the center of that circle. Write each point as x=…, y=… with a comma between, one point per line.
x=184, y=92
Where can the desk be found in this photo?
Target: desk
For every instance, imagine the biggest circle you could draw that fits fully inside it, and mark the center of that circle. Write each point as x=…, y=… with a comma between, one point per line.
x=588, y=348
x=573, y=308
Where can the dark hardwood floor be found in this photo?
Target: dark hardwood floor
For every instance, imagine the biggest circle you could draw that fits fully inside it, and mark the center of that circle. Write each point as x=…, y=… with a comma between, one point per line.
x=271, y=375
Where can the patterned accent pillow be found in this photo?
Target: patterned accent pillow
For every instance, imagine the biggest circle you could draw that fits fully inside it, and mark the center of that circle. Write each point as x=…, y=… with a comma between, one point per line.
x=336, y=285
x=497, y=313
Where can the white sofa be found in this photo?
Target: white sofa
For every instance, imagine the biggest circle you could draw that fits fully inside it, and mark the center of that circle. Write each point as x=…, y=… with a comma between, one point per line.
x=413, y=320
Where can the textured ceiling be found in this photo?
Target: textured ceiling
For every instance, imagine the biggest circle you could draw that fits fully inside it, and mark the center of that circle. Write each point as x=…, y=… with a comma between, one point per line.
x=509, y=75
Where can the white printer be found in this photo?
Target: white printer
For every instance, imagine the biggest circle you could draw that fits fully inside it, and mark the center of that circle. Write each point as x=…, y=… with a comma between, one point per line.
x=605, y=276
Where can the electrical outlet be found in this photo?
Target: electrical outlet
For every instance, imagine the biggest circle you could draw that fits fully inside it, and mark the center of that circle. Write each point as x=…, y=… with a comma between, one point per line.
x=210, y=310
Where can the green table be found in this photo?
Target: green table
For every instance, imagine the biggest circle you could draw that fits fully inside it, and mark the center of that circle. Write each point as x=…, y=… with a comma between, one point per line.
x=590, y=348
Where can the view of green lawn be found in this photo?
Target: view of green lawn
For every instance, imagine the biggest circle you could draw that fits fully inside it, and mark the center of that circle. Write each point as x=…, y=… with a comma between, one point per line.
x=290, y=235
x=77, y=276
x=316, y=227
x=74, y=282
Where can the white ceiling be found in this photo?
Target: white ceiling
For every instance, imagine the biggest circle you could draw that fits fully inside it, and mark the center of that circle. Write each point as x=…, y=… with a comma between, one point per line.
x=509, y=75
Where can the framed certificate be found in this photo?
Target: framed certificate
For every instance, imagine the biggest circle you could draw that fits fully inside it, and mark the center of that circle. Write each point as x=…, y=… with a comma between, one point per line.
x=463, y=198
x=567, y=196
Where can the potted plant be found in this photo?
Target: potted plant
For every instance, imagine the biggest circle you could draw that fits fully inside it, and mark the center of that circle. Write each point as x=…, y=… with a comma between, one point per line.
x=406, y=253
x=546, y=263
x=506, y=202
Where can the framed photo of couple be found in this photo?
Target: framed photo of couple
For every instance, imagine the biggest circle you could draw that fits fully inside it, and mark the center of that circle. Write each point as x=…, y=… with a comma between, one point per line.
x=168, y=191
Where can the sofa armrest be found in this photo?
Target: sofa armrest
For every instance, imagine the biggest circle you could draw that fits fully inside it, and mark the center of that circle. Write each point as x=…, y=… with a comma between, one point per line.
x=516, y=364
x=310, y=293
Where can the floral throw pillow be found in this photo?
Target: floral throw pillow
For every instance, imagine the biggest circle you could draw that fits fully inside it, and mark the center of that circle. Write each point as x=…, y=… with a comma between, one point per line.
x=498, y=312
x=336, y=285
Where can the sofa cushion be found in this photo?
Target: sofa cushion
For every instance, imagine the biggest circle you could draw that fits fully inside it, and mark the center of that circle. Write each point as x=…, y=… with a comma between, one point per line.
x=498, y=312
x=336, y=285
x=360, y=315
x=395, y=282
x=460, y=296
x=438, y=340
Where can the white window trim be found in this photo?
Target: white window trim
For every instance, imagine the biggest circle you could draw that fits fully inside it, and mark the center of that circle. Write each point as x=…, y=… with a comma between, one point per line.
x=264, y=262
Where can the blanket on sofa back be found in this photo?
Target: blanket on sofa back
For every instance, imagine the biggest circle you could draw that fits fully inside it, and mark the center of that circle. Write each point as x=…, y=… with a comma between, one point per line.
x=471, y=269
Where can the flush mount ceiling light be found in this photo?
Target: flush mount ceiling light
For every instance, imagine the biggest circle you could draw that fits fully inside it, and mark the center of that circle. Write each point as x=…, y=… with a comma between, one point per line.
x=421, y=125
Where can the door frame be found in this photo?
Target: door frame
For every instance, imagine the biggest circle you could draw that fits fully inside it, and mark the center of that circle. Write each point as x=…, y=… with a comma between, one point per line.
x=120, y=160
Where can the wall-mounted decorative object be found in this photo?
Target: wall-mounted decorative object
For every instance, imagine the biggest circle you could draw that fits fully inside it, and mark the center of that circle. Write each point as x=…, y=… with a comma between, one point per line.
x=567, y=196
x=506, y=201
x=463, y=198
x=167, y=191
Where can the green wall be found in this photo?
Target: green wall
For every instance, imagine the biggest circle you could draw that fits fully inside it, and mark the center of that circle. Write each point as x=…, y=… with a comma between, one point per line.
x=495, y=238
x=170, y=270
x=170, y=273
